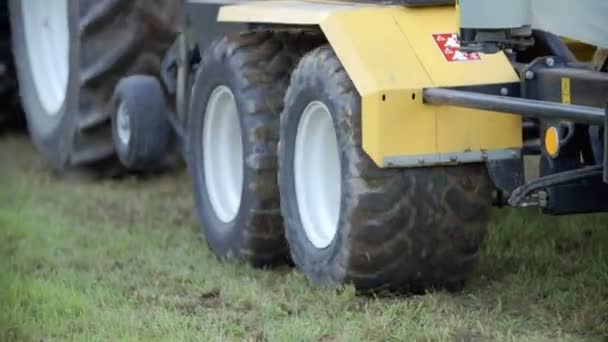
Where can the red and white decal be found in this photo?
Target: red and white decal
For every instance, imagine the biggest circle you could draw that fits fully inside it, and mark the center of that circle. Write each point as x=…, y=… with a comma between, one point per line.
x=449, y=45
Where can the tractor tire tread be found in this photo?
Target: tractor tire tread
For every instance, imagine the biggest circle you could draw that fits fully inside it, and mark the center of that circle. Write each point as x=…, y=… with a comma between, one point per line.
x=261, y=62
x=408, y=229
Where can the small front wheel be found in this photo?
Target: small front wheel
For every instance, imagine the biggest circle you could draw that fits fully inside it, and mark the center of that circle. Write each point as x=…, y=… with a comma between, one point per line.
x=140, y=127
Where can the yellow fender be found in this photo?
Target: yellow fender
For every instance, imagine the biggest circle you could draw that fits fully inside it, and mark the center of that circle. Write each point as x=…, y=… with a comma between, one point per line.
x=391, y=56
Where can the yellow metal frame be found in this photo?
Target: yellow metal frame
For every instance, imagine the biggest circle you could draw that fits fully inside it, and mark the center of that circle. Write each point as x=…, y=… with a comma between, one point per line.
x=390, y=55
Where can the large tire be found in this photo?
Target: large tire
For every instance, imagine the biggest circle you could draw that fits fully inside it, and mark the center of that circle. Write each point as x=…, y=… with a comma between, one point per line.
x=394, y=229
x=104, y=41
x=253, y=70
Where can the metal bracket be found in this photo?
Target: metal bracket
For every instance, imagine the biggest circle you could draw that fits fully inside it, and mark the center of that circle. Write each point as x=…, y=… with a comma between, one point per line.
x=606, y=147
x=169, y=64
x=424, y=160
x=521, y=193
x=555, y=80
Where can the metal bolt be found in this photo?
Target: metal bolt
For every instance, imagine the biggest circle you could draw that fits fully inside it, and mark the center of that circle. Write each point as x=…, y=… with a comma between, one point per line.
x=529, y=74
x=453, y=159
x=504, y=91
x=421, y=161
x=550, y=62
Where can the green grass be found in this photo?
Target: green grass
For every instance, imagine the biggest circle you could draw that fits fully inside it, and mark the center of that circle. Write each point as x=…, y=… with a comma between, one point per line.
x=124, y=260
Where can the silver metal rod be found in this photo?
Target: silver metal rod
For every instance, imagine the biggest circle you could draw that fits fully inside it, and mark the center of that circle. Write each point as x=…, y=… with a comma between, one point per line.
x=517, y=106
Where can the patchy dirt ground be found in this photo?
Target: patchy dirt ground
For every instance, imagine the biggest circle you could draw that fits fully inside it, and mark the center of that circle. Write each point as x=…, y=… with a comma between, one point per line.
x=124, y=260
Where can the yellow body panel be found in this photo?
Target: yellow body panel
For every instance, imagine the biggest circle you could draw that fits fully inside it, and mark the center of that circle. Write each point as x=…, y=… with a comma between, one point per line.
x=583, y=52
x=390, y=54
x=280, y=12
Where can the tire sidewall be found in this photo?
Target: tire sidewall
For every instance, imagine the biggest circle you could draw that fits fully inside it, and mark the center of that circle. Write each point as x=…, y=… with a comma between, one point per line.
x=225, y=238
x=305, y=254
x=150, y=130
x=52, y=135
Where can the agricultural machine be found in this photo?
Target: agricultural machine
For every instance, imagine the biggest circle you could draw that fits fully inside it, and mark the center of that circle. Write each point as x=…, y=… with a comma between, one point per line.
x=366, y=141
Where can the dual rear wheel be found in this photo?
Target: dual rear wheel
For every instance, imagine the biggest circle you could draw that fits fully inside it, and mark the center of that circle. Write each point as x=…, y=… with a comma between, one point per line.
x=279, y=173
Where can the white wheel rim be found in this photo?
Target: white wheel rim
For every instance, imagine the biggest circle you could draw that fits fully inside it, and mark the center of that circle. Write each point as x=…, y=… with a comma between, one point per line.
x=47, y=42
x=123, y=124
x=317, y=175
x=223, y=154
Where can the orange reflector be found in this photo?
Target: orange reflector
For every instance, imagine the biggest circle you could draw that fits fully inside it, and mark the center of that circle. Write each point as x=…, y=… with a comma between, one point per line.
x=552, y=141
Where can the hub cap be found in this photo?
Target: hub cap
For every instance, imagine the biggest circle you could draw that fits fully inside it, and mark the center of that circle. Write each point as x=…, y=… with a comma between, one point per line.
x=223, y=154
x=317, y=174
x=123, y=124
x=47, y=41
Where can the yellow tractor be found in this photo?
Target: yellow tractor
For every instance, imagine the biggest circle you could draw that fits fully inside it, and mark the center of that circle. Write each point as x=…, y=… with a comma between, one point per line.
x=367, y=141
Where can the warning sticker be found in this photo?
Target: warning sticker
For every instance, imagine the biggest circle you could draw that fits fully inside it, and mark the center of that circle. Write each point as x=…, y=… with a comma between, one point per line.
x=449, y=45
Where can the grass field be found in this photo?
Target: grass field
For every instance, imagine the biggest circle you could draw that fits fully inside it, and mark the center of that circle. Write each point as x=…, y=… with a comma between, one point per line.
x=124, y=260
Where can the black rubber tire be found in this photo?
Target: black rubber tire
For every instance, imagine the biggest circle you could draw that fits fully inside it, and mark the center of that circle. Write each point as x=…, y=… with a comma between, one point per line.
x=256, y=68
x=109, y=40
x=150, y=131
x=399, y=229
x=10, y=112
